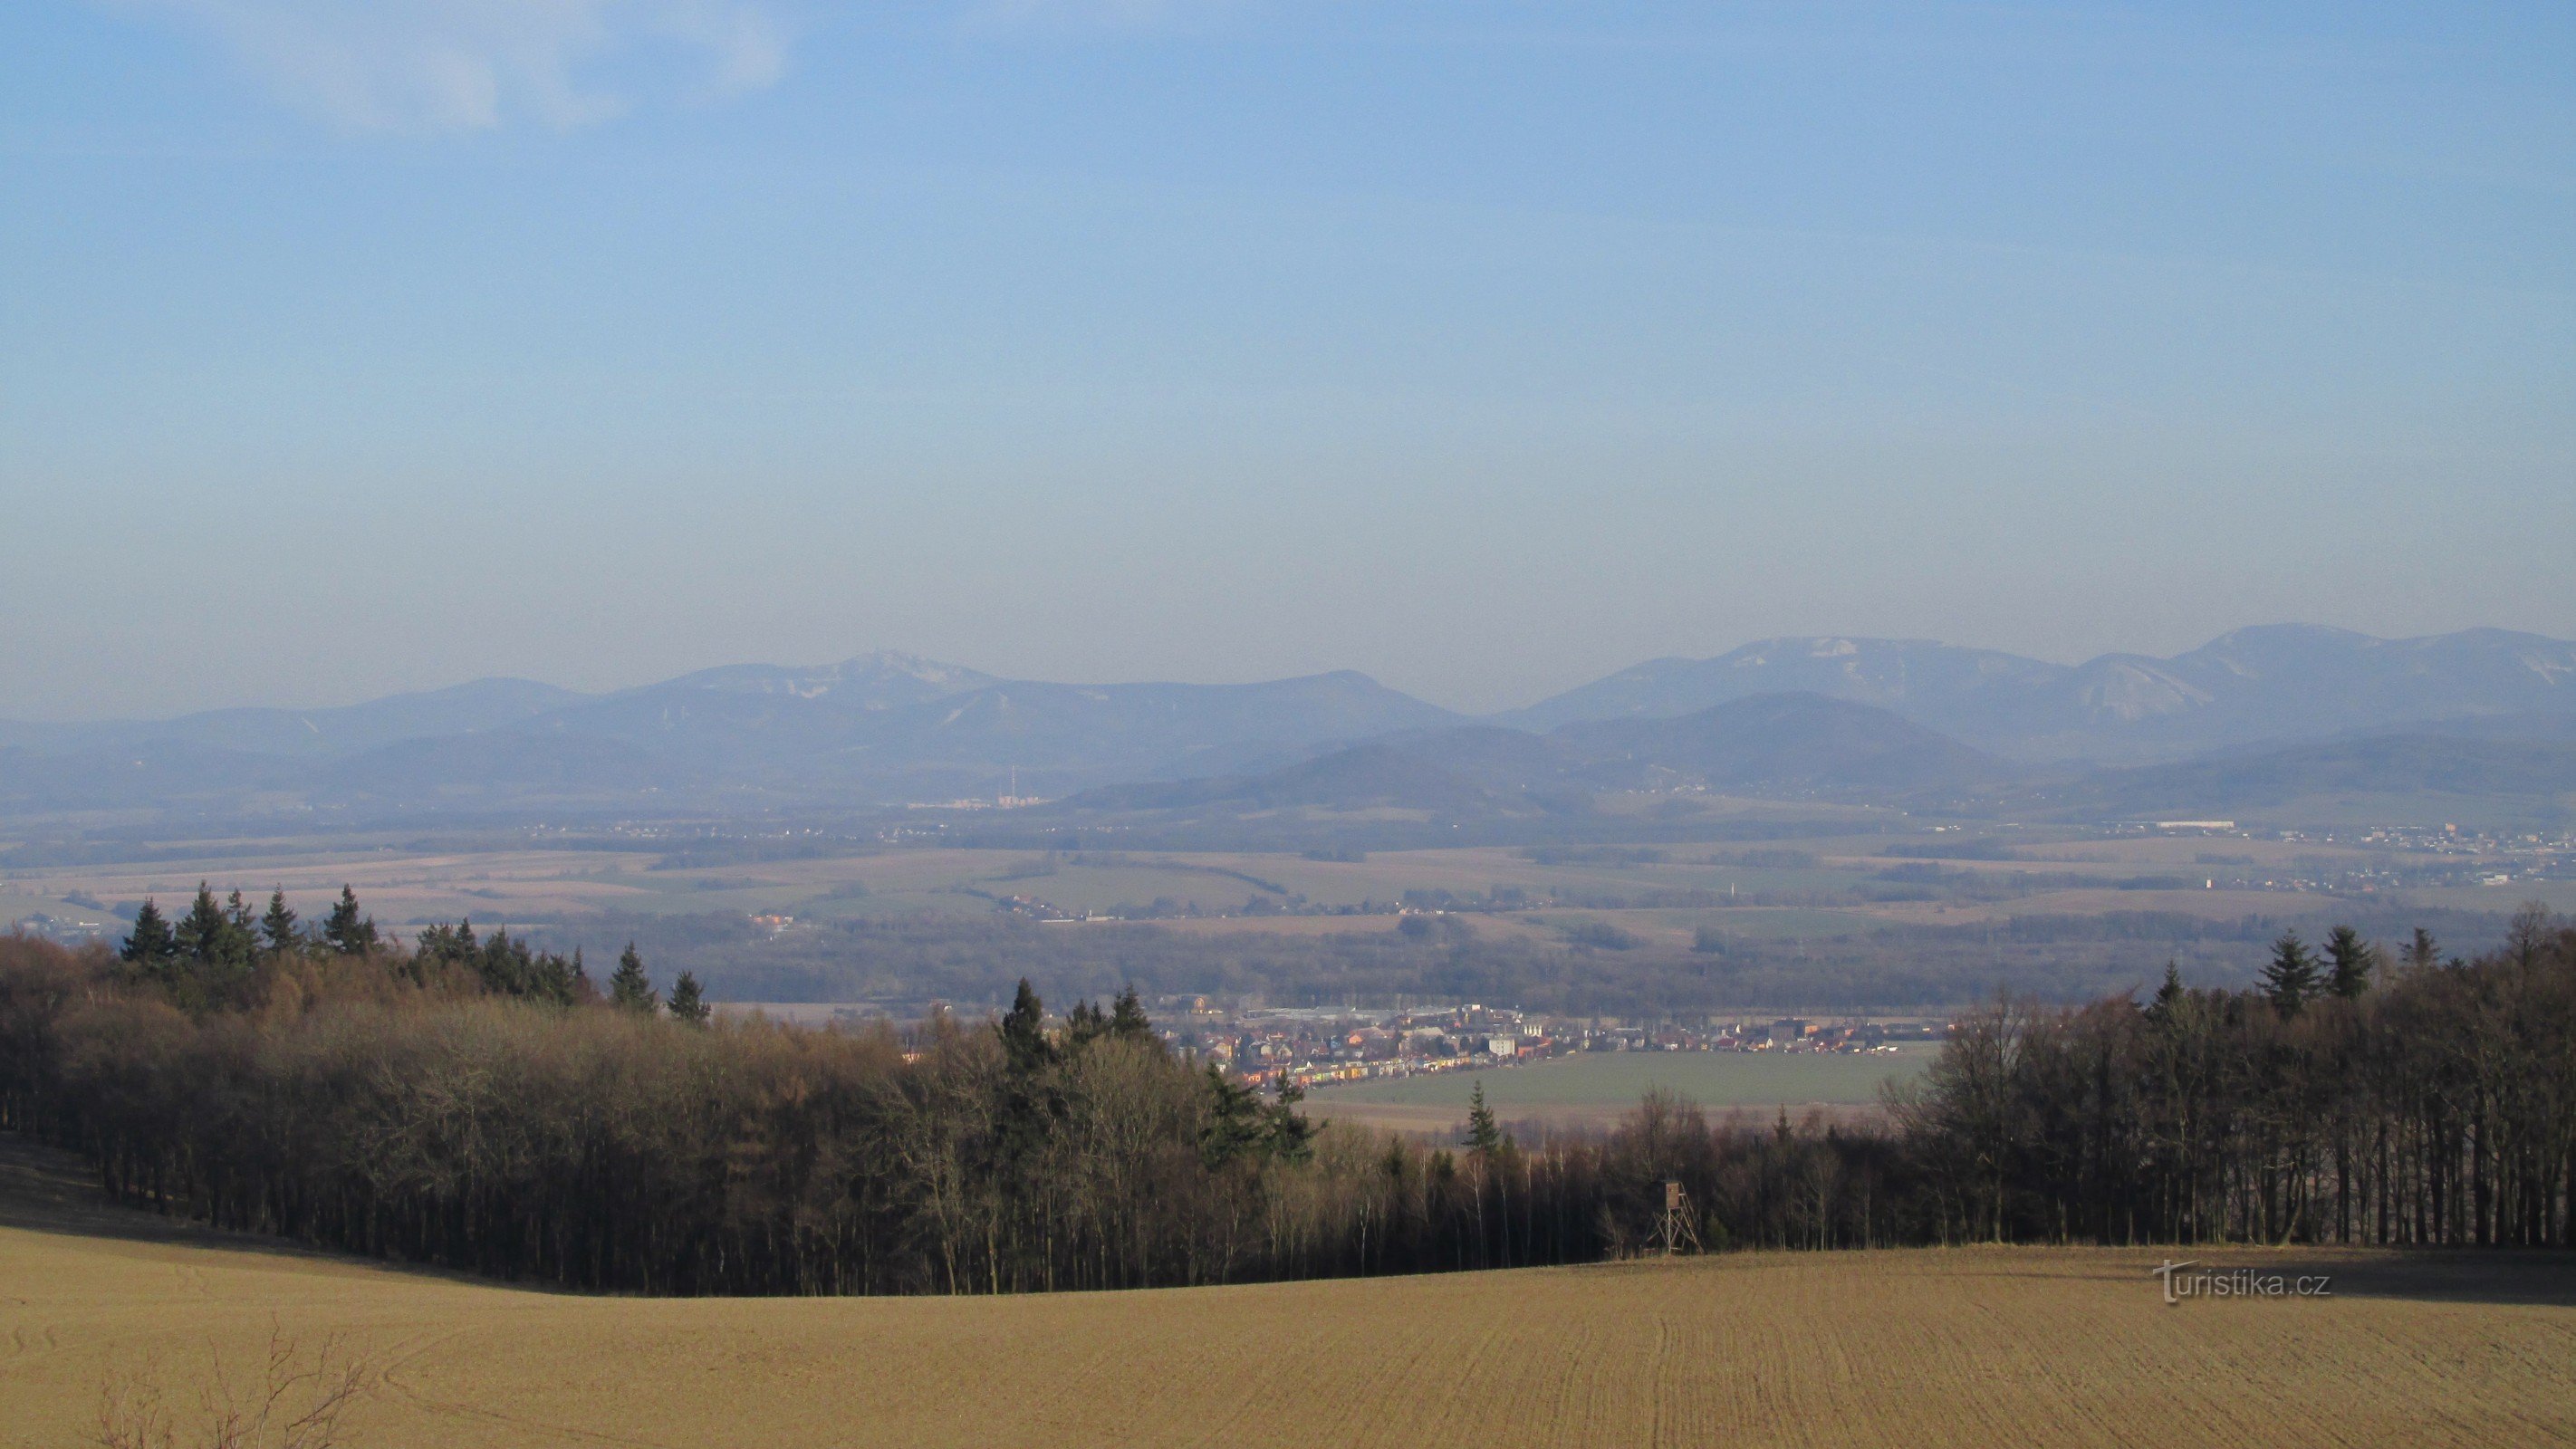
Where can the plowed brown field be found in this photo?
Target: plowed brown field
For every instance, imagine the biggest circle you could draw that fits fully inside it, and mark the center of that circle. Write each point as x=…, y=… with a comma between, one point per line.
x=1921, y=1348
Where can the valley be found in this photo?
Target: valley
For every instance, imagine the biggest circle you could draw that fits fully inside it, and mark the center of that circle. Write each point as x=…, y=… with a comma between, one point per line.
x=1679, y=915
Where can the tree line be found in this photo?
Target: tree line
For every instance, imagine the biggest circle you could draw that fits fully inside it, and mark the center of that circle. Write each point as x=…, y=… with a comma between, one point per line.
x=454, y=1102
x=212, y=956
x=2348, y=1097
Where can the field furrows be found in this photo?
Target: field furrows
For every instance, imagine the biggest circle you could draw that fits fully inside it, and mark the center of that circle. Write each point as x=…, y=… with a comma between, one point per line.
x=1966, y=1346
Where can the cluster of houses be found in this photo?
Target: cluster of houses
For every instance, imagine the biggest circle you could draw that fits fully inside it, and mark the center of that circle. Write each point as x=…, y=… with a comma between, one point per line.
x=1316, y=1047
x=1307, y=1048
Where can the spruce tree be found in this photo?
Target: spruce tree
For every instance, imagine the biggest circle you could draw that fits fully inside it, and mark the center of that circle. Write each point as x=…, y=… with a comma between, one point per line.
x=542, y=975
x=2169, y=997
x=210, y=935
x=2422, y=952
x=149, y=944
x=688, y=1003
x=1291, y=1137
x=1234, y=1122
x=349, y=933
x=1084, y=1025
x=1127, y=1020
x=2349, y=959
x=1484, y=1136
x=629, y=988
x=278, y=925
x=194, y=932
x=1023, y=1031
x=2291, y=978
x=238, y=942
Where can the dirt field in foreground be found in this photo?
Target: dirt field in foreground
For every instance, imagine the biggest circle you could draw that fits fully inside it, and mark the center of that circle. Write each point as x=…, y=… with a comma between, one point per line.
x=1972, y=1346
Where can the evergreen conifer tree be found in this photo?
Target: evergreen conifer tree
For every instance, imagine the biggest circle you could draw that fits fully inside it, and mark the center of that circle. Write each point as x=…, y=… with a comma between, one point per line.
x=1024, y=1031
x=2291, y=977
x=1484, y=1136
x=2349, y=959
x=1084, y=1025
x=537, y=975
x=1291, y=1136
x=2169, y=997
x=1234, y=1120
x=238, y=941
x=349, y=933
x=2422, y=952
x=688, y=1003
x=195, y=933
x=629, y=987
x=278, y=925
x=210, y=935
x=1127, y=1019
x=149, y=944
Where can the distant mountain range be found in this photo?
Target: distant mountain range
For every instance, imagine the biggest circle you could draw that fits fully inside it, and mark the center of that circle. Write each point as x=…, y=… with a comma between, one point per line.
x=880, y=729
x=1838, y=717
x=2280, y=682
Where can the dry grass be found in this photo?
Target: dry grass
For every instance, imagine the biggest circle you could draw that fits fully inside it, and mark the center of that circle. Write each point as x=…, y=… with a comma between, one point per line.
x=1972, y=1346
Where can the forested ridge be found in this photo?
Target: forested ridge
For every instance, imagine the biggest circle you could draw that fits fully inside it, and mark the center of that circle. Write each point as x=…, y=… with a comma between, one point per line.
x=472, y=1103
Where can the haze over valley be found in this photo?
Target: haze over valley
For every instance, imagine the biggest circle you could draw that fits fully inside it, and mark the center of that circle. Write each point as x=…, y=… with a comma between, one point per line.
x=1816, y=822
x=2257, y=721
x=1547, y=725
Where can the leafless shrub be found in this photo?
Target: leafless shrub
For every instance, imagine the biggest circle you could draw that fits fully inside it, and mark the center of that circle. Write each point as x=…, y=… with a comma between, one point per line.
x=294, y=1400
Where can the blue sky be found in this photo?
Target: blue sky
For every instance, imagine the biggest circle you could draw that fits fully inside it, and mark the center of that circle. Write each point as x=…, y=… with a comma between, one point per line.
x=1484, y=347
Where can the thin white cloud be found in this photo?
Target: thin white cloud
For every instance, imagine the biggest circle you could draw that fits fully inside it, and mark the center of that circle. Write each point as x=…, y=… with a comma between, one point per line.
x=454, y=65
x=1008, y=16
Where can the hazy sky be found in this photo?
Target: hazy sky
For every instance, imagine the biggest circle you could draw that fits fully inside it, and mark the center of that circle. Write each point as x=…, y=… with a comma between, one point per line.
x=1486, y=347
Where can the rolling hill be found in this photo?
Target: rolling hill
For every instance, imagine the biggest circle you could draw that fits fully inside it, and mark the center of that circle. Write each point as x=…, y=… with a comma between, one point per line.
x=1927, y=1347
x=1781, y=742
x=2424, y=774
x=485, y=704
x=1794, y=744
x=1363, y=777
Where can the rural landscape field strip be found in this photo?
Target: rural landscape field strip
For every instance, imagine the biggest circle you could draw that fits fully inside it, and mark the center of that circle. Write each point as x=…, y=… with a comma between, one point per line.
x=1715, y=1080
x=1959, y=1346
x=1594, y=1090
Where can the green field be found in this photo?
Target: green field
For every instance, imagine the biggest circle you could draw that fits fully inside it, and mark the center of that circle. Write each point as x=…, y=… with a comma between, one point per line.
x=1618, y=1079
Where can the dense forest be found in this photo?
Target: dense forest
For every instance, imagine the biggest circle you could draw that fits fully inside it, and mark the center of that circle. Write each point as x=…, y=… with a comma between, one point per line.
x=474, y=1103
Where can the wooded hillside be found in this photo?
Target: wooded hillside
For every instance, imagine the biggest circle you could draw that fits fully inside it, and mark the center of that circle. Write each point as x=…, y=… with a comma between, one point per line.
x=473, y=1104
